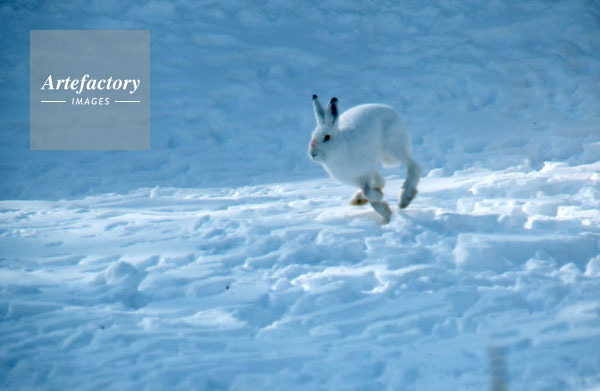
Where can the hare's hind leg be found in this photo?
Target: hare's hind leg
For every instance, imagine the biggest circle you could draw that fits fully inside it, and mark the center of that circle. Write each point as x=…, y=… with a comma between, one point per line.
x=409, y=188
x=359, y=198
x=397, y=149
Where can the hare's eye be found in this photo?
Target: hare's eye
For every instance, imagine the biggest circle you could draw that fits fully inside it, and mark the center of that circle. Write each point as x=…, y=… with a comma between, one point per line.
x=326, y=138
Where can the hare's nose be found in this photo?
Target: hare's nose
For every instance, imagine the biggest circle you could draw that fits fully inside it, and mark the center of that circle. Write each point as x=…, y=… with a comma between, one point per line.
x=313, y=142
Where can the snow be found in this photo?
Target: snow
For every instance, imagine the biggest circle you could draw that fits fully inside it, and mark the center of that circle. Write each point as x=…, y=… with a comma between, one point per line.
x=285, y=286
x=224, y=259
x=486, y=84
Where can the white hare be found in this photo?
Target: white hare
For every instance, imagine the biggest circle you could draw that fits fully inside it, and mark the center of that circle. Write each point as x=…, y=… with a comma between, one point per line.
x=351, y=145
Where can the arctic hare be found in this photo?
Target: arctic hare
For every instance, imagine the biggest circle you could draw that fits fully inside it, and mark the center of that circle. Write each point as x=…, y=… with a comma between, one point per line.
x=351, y=145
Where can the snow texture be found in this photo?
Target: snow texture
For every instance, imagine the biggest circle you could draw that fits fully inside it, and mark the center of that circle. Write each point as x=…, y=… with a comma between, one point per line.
x=224, y=259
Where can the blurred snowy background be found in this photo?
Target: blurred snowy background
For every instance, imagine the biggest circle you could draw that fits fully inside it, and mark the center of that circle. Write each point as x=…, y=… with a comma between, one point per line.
x=224, y=259
x=480, y=83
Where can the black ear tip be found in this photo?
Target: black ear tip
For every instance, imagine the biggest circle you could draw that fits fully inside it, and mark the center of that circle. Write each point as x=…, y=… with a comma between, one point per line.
x=314, y=96
x=333, y=99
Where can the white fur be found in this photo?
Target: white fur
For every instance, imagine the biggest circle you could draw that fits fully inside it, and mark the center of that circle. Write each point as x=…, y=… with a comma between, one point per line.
x=359, y=139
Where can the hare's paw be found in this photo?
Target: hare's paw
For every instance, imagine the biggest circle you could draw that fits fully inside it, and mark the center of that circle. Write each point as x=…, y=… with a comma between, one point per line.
x=358, y=199
x=406, y=196
x=383, y=209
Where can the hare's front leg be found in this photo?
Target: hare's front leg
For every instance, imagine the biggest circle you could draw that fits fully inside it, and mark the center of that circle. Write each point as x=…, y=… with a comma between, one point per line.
x=359, y=198
x=374, y=195
x=383, y=209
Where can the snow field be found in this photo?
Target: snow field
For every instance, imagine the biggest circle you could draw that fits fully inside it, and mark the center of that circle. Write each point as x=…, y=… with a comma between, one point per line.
x=287, y=287
x=158, y=269
x=490, y=84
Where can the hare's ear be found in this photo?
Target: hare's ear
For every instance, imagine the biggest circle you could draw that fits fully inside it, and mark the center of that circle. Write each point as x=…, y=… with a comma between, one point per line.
x=319, y=113
x=331, y=112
